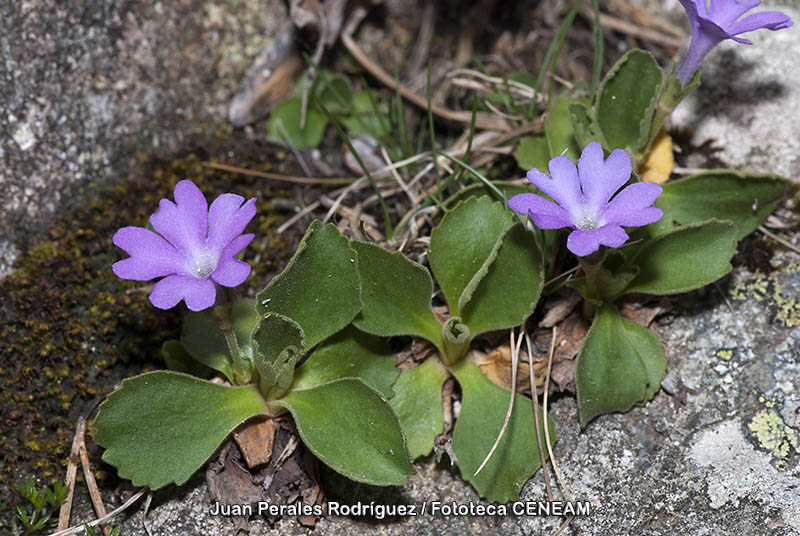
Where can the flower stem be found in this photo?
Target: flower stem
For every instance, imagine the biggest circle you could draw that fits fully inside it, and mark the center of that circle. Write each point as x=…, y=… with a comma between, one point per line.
x=242, y=372
x=591, y=265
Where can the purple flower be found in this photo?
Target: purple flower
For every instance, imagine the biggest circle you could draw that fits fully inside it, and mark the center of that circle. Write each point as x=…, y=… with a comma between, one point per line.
x=194, y=247
x=719, y=22
x=582, y=195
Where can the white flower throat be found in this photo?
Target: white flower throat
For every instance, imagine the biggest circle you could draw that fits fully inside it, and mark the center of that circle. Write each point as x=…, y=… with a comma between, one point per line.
x=587, y=219
x=202, y=263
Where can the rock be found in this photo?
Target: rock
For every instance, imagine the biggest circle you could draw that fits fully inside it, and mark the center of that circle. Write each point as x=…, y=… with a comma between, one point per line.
x=106, y=81
x=748, y=103
x=89, y=88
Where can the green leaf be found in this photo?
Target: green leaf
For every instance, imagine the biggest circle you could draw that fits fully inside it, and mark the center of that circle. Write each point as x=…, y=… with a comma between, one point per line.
x=508, y=293
x=206, y=343
x=483, y=410
x=320, y=287
x=335, y=92
x=462, y=243
x=743, y=198
x=367, y=117
x=418, y=403
x=478, y=189
x=350, y=354
x=626, y=100
x=160, y=427
x=685, y=259
x=352, y=429
x=284, y=124
x=558, y=130
x=277, y=346
x=396, y=293
x=178, y=359
x=620, y=364
x=532, y=152
x=584, y=125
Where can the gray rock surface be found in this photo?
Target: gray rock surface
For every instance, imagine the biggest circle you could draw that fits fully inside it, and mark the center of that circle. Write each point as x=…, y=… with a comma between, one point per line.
x=726, y=463
x=748, y=102
x=86, y=87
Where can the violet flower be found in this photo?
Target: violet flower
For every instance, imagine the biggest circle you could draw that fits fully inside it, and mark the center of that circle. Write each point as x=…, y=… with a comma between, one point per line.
x=719, y=22
x=582, y=197
x=194, y=247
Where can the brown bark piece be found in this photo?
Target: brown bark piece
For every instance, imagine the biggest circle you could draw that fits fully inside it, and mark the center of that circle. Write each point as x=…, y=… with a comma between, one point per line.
x=644, y=314
x=255, y=440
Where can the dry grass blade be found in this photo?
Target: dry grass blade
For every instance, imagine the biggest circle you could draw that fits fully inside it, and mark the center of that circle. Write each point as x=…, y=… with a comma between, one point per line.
x=778, y=239
x=547, y=433
x=535, y=399
x=94, y=491
x=514, y=364
x=546, y=430
x=278, y=176
x=78, y=529
x=482, y=120
x=72, y=472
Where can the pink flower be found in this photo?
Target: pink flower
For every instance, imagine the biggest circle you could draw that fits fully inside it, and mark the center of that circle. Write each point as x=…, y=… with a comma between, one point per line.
x=193, y=250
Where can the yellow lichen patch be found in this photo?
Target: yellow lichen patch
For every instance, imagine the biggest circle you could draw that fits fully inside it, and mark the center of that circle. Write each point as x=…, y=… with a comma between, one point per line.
x=660, y=162
x=771, y=289
x=776, y=400
x=725, y=353
x=774, y=435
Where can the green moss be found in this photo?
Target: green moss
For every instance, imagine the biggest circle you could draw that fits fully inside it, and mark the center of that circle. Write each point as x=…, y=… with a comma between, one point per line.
x=70, y=331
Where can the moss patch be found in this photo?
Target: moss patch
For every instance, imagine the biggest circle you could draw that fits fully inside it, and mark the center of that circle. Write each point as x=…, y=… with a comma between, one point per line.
x=70, y=331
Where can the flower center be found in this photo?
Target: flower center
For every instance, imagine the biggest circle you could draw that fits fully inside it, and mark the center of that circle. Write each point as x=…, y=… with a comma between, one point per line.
x=588, y=220
x=202, y=263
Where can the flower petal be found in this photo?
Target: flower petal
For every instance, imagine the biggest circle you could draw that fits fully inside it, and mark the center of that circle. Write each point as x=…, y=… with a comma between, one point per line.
x=183, y=223
x=631, y=207
x=236, y=245
x=198, y=293
x=600, y=178
x=583, y=243
x=150, y=255
x=231, y=272
x=562, y=185
x=726, y=12
x=772, y=20
x=227, y=218
x=545, y=213
x=694, y=8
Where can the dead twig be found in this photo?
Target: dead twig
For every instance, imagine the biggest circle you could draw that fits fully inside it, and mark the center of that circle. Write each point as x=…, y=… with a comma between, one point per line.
x=78, y=529
x=635, y=30
x=482, y=120
x=512, y=396
x=72, y=472
x=778, y=239
x=535, y=399
x=91, y=483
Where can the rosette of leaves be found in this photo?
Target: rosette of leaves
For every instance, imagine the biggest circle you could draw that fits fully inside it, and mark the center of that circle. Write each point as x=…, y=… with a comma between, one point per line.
x=160, y=427
x=621, y=363
x=490, y=271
